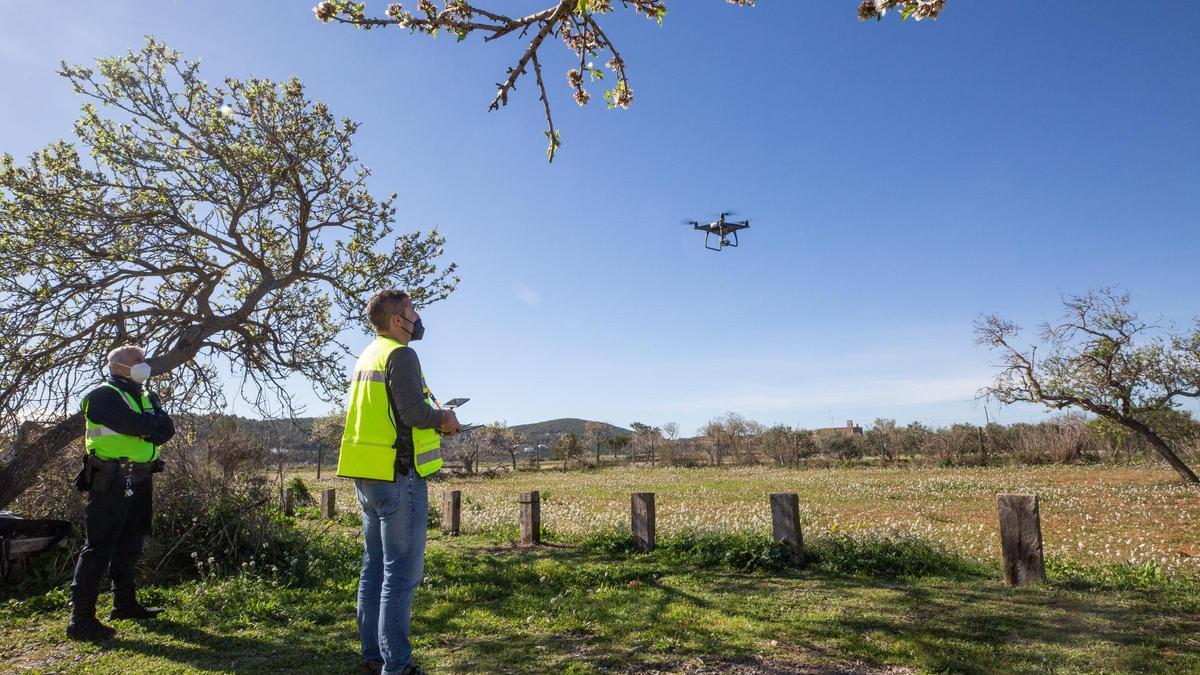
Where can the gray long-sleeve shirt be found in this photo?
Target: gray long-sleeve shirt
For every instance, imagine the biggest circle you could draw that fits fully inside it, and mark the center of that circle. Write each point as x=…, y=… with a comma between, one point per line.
x=405, y=383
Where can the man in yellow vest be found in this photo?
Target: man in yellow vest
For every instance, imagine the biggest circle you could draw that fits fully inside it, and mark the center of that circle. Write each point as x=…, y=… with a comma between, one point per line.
x=124, y=425
x=391, y=444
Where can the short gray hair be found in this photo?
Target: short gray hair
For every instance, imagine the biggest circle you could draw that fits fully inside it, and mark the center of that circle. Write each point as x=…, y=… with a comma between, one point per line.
x=118, y=355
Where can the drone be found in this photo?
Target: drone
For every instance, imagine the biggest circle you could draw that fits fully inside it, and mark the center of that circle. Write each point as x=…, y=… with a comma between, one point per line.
x=722, y=229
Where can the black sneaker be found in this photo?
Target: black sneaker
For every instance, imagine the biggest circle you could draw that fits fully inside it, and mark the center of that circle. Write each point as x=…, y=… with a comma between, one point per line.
x=136, y=612
x=412, y=669
x=370, y=667
x=89, y=630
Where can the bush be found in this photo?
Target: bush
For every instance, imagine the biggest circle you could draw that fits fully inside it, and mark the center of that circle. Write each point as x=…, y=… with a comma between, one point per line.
x=300, y=493
x=875, y=556
x=885, y=557
x=208, y=526
x=1148, y=576
x=740, y=551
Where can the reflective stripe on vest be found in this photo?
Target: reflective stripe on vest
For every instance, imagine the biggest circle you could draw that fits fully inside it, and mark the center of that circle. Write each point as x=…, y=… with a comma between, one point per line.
x=105, y=443
x=368, y=448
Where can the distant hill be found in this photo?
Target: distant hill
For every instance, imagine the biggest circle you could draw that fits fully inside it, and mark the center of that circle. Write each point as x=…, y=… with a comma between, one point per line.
x=548, y=431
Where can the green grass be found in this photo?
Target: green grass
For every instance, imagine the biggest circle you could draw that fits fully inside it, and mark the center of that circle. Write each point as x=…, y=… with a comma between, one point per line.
x=1091, y=515
x=716, y=596
x=487, y=607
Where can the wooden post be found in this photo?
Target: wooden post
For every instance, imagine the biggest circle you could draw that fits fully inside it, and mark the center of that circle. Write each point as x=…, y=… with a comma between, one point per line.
x=642, y=520
x=288, y=505
x=785, y=523
x=531, y=518
x=1021, y=540
x=451, y=510
x=328, y=503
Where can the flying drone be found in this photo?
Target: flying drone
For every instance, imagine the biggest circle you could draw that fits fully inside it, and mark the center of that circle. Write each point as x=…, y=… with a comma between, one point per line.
x=722, y=228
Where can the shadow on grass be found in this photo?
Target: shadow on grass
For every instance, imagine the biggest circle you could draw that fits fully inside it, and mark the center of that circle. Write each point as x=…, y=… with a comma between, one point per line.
x=552, y=610
x=487, y=608
x=183, y=644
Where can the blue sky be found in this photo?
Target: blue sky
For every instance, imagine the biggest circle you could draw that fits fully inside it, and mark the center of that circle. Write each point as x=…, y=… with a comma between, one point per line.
x=901, y=180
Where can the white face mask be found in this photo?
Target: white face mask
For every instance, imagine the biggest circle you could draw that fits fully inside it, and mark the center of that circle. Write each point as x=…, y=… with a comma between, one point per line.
x=139, y=372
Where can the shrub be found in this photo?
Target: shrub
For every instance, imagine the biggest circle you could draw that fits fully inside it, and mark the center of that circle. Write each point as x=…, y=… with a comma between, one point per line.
x=212, y=526
x=1147, y=576
x=301, y=496
x=740, y=551
x=873, y=556
x=885, y=556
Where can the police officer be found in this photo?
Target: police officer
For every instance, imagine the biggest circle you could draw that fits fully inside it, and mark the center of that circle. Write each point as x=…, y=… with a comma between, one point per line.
x=124, y=427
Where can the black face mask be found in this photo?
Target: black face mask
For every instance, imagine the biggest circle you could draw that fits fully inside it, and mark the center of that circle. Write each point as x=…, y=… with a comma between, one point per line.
x=417, y=331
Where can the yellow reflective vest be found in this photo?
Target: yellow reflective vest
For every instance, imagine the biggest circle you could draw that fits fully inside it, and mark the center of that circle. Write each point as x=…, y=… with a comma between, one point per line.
x=108, y=444
x=369, y=442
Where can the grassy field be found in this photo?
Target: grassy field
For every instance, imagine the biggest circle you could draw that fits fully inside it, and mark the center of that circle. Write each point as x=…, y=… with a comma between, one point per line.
x=1090, y=515
x=582, y=605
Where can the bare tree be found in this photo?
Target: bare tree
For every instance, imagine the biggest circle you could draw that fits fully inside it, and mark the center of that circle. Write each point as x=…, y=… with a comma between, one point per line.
x=732, y=430
x=229, y=446
x=1104, y=360
x=503, y=437
x=593, y=431
x=671, y=444
x=466, y=448
x=327, y=432
x=714, y=435
x=220, y=227
x=575, y=22
x=646, y=441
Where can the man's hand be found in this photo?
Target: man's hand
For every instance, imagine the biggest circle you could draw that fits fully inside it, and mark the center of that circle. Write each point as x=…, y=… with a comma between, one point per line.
x=450, y=423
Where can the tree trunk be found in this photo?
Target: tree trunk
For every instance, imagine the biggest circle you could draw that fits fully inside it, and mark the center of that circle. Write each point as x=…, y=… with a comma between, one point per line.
x=1163, y=449
x=27, y=457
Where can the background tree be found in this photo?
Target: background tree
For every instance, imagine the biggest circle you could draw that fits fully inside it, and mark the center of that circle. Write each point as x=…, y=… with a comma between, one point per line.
x=216, y=226
x=469, y=447
x=1104, y=360
x=592, y=431
x=327, y=433
x=731, y=432
x=646, y=440
x=714, y=435
x=617, y=444
x=912, y=438
x=671, y=444
x=881, y=438
x=566, y=448
x=506, y=438
x=843, y=446
x=226, y=444
x=776, y=442
x=575, y=22
x=670, y=431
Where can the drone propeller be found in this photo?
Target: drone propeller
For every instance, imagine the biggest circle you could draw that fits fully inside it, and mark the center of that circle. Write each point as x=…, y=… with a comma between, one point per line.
x=727, y=213
x=693, y=223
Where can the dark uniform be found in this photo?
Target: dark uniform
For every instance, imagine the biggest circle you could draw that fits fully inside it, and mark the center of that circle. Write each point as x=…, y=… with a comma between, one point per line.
x=120, y=492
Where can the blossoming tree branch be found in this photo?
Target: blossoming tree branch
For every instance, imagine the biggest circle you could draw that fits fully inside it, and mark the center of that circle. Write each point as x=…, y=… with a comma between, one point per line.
x=575, y=22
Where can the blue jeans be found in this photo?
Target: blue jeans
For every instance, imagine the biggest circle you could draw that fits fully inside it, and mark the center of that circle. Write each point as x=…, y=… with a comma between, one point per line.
x=394, y=519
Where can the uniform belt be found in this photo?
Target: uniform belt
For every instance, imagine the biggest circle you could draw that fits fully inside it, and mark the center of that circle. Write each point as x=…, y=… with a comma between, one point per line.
x=133, y=468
